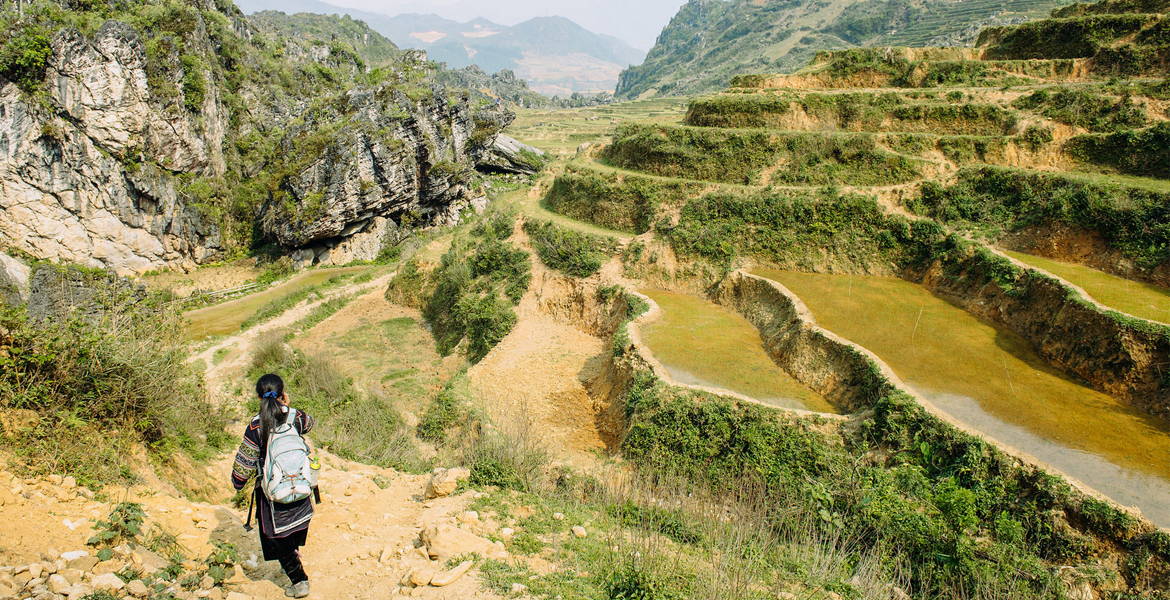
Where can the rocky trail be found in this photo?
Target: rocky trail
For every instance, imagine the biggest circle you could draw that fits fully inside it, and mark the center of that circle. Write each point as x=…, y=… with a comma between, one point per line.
x=377, y=532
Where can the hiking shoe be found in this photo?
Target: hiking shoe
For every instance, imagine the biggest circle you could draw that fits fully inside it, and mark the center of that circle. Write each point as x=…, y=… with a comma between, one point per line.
x=298, y=590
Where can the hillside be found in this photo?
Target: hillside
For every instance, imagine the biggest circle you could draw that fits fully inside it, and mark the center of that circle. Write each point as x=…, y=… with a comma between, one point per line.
x=212, y=138
x=708, y=42
x=321, y=30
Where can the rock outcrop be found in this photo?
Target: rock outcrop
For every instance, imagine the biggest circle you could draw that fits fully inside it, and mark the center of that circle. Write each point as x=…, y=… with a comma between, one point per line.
x=509, y=155
x=391, y=156
x=138, y=160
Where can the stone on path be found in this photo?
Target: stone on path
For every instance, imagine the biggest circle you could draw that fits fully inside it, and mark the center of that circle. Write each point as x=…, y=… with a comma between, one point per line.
x=108, y=582
x=445, y=481
x=421, y=577
x=445, y=541
x=448, y=577
x=137, y=589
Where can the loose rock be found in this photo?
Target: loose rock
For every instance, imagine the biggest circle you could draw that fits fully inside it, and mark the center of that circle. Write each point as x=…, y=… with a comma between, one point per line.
x=445, y=481
x=107, y=581
x=449, y=577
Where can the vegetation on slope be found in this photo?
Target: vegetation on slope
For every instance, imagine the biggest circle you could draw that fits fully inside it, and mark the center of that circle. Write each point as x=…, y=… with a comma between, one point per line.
x=626, y=203
x=470, y=295
x=856, y=111
x=99, y=382
x=739, y=156
x=571, y=252
x=1129, y=219
x=1126, y=44
x=709, y=42
x=334, y=33
x=946, y=509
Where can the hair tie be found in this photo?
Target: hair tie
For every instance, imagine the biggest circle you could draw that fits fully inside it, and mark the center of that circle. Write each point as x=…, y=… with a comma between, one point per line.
x=271, y=394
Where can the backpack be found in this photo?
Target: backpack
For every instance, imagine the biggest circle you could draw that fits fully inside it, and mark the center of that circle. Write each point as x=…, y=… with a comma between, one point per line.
x=288, y=474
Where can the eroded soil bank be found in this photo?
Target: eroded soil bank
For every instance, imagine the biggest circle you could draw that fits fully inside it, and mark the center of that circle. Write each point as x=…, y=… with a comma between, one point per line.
x=704, y=344
x=992, y=380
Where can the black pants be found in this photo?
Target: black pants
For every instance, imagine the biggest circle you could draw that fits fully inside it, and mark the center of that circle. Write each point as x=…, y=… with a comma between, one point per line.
x=287, y=551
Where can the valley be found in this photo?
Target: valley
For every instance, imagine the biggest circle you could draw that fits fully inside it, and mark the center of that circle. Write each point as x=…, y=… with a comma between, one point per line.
x=893, y=325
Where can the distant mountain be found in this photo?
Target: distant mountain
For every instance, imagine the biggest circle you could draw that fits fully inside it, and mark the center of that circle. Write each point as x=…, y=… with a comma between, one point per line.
x=710, y=41
x=555, y=55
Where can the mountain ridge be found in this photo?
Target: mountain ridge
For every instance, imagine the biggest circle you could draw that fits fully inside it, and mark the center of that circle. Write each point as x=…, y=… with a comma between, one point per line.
x=554, y=54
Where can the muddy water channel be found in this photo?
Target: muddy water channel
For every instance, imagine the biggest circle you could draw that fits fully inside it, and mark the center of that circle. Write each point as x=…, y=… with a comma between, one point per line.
x=701, y=343
x=991, y=379
x=1133, y=297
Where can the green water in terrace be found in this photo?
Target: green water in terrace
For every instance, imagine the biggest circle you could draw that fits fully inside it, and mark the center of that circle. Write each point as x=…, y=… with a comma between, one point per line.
x=991, y=379
x=1133, y=297
x=701, y=343
x=226, y=318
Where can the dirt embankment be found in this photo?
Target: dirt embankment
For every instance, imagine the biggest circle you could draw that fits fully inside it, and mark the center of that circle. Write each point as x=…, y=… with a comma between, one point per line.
x=1072, y=244
x=828, y=365
x=1121, y=356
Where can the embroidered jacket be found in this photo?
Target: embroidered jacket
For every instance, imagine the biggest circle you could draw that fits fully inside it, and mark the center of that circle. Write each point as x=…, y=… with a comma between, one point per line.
x=275, y=520
x=251, y=454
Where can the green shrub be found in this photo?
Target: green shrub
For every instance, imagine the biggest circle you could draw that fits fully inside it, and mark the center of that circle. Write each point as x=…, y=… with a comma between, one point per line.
x=448, y=410
x=570, y=252
x=621, y=203
x=709, y=154
x=121, y=376
x=461, y=299
x=1083, y=108
x=25, y=56
x=194, y=83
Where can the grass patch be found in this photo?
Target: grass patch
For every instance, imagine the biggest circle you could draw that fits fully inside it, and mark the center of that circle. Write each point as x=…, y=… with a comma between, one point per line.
x=278, y=306
x=353, y=425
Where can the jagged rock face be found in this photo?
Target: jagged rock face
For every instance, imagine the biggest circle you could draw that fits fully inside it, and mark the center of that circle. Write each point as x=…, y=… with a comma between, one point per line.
x=100, y=86
x=393, y=156
x=101, y=174
x=64, y=191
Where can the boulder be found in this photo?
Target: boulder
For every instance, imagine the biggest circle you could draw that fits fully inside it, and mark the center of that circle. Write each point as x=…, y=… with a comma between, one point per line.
x=579, y=531
x=421, y=577
x=137, y=589
x=58, y=584
x=445, y=481
x=509, y=155
x=445, y=541
x=85, y=564
x=78, y=591
x=148, y=561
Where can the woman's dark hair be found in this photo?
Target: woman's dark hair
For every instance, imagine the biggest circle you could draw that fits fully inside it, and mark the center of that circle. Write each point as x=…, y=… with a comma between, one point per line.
x=270, y=388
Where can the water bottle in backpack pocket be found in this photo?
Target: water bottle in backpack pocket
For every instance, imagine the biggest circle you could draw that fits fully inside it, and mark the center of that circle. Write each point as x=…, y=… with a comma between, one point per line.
x=288, y=473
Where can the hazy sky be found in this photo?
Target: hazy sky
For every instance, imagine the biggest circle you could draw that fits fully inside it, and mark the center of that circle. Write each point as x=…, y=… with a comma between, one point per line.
x=638, y=22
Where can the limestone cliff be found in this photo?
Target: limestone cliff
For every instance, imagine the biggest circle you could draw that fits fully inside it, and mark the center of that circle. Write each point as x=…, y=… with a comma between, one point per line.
x=155, y=141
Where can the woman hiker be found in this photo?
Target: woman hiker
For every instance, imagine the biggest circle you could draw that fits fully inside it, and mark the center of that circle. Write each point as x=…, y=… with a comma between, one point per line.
x=283, y=527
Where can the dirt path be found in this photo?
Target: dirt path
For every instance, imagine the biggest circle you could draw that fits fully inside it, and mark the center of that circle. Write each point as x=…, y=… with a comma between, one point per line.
x=237, y=347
